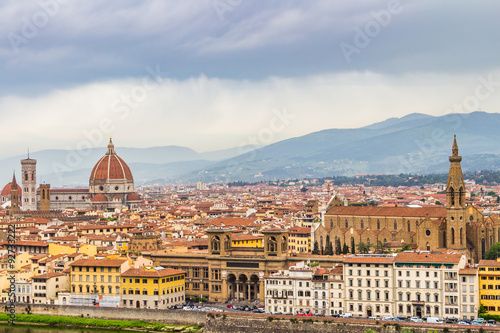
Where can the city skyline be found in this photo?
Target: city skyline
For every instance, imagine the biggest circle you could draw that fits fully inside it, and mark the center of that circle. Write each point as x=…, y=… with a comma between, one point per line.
x=209, y=75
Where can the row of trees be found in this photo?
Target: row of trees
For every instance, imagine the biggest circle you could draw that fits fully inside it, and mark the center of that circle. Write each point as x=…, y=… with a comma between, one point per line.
x=361, y=247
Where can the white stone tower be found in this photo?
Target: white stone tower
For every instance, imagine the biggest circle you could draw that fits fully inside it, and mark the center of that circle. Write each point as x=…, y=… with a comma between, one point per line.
x=28, y=174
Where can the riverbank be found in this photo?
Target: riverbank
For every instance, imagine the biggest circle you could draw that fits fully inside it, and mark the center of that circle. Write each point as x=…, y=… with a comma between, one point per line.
x=75, y=322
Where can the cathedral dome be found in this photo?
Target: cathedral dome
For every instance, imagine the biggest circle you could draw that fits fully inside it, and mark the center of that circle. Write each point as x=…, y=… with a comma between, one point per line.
x=111, y=167
x=7, y=188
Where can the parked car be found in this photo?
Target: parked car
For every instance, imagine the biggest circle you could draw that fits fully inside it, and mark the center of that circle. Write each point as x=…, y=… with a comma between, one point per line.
x=335, y=315
x=434, y=320
x=389, y=317
x=229, y=306
x=346, y=315
x=461, y=322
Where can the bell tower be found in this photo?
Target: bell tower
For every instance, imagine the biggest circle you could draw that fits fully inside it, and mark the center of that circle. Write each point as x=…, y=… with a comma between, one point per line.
x=14, y=197
x=455, y=203
x=28, y=174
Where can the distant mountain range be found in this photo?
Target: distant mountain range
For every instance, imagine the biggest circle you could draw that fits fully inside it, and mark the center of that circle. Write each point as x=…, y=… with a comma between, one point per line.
x=416, y=143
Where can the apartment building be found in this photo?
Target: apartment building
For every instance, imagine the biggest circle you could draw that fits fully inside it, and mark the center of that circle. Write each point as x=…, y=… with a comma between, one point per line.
x=328, y=286
x=96, y=281
x=152, y=287
x=46, y=287
x=427, y=284
x=469, y=292
x=289, y=291
x=489, y=285
x=369, y=285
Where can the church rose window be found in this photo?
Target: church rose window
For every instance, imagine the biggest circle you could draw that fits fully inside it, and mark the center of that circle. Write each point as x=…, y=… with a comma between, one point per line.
x=428, y=232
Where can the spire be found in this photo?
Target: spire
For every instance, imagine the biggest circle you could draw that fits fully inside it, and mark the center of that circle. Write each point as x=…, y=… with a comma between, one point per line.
x=111, y=148
x=14, y=183
x=454, y=149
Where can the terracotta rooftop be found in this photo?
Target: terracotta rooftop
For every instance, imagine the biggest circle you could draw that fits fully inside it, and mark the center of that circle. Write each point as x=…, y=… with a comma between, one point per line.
x=436, y=212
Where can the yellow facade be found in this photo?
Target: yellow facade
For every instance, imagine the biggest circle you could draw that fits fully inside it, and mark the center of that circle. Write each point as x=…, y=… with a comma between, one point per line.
x=489, y=285
x=147, y=287
x=150, y=285
x=55, y=249
x=253, y=242
x=97, y=276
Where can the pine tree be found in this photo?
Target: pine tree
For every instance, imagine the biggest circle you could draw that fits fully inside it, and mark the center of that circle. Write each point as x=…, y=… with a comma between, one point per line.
x=345, y=250
x=330, y=248
x=316, y=248
x=327, y=245
x=338, y=249
x=353, y=248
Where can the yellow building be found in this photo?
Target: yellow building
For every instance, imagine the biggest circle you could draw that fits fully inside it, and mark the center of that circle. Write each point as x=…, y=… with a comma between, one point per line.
x=489, y=285
x=152, y=288
x=246, y=241
x=299, y=240
x=97, y=276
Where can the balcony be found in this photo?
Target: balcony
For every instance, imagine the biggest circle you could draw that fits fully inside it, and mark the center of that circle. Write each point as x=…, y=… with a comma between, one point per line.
x=449, y=290
x=418, y=301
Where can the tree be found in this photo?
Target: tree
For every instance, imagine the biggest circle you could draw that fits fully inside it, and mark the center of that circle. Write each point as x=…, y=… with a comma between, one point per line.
x=345, y=249
x=329, y=249
x=353, y=248
x=338, y=248
x=437, y=202
x=303, y=189
x=493, y=252
x=316, y=248
x=363, y=247
x=328, y=246
x=381, y=248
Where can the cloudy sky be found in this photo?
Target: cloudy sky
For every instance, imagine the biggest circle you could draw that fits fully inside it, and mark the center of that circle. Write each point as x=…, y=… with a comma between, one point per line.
x=220, y=73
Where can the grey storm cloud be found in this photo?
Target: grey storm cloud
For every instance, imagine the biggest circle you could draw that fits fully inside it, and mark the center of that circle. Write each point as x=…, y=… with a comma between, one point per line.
x=218, y=70
x=56, y=43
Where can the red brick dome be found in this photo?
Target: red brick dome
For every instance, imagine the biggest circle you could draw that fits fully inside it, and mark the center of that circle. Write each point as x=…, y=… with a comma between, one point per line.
x=111, y=166
x=99, y=198
x=6, y=190
x=133, y=197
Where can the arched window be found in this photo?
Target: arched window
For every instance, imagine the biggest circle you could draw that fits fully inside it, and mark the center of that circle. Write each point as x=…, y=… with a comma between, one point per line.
x=427, y=246
x=378, y=224
x=362, y=224
x=483, y=248
x=331, y=223
x=460, y=193
x=452, y=235
x=321, y=241
x=346, y=224
x=461, y=236
x=352, y=244
x=368, y=241
x=25, y=176
x=409, y=228
x=395, y=225
x=452, y=196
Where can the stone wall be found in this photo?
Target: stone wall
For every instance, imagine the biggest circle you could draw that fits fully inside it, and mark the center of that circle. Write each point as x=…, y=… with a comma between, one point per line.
x=164, y=316
x=234, y=324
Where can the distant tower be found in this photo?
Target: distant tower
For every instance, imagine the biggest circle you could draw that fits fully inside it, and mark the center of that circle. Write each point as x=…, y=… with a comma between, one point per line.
x=455, y=237
x=45, y=197
x=14, y=197
x=28, y=173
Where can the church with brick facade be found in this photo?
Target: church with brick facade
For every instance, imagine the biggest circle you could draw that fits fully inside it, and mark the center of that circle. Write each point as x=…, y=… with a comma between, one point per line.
x=458, y=226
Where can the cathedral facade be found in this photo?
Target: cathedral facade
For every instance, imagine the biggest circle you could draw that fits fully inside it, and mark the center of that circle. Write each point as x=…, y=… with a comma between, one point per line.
x=458, y=226
x=111, y=186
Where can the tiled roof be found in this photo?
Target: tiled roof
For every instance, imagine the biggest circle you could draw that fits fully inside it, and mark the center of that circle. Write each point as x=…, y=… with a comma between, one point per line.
x=424, y=257
x=436, y=212
x=99, y=262
x=141, y=272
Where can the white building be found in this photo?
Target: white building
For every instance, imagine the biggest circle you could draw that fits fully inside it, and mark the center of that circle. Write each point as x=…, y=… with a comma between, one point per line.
x=369, y=285
x=469, y=293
